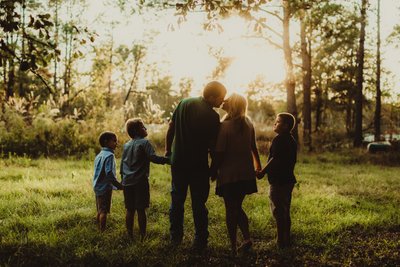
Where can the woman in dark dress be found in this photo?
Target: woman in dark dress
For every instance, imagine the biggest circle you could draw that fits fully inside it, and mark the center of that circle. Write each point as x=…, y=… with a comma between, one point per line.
x=234, y=166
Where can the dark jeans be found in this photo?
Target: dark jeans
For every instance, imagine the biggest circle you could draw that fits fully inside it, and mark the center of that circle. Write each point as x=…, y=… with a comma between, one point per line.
x=280, y=199
x=199, y=189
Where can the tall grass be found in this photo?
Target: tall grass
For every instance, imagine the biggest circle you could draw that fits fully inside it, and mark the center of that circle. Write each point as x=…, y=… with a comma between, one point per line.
x=344, y=214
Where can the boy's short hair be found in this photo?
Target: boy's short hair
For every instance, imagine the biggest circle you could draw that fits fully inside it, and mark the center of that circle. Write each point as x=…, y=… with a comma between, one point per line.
x=213, y=89
x=132, y=126
x=288, y=119
x=105, y=137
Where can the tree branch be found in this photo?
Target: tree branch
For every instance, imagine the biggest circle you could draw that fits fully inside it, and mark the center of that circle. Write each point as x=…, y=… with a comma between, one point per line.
x=43, y=80
x=272, y=13
x=272, y=30
x=265, y=38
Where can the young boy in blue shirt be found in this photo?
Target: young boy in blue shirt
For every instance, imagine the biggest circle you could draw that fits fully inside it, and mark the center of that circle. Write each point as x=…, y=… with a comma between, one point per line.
x=135, y=170
x=104, y=177
x=280, y=166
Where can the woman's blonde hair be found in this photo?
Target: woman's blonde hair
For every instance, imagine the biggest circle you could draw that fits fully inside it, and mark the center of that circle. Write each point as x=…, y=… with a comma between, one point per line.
x=237, y=107
x=237, y=110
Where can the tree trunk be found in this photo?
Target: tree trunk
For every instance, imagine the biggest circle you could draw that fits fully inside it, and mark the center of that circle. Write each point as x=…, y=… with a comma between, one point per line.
x=138, y=55
x=4, y=65
x=360, y=69
x=306, y=69
x=68, y=61
x=290, y=82
x=377, y=118
x=108, y=98
x=10, y=72
x=56, y=44
x=21, y=73
x=10, y=79
x=349, y=108
x=318, y=107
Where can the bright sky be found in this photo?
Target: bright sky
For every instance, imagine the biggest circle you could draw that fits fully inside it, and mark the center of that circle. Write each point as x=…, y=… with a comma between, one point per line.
x=184, y=52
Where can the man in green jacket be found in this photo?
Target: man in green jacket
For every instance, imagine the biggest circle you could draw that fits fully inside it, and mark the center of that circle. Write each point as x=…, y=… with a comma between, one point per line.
x=190, y=138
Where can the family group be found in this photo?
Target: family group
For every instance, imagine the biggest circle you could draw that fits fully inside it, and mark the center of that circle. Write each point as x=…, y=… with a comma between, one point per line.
x=194, y=135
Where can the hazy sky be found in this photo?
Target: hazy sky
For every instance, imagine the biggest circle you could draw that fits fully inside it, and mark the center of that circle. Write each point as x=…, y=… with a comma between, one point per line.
x=184, y=53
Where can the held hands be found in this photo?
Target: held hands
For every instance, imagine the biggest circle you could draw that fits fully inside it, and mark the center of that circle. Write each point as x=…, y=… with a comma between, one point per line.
x=260, y=174
x=214, y=175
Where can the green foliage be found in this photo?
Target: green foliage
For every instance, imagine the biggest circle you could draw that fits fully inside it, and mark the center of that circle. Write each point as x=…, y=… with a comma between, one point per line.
x=60, y=128
x=343, y=214
x=35, y=34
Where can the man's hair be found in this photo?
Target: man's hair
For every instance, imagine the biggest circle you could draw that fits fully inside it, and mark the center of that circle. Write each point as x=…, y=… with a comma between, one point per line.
x=287, y=119
x=132, y=126
x=105, y=137
x=213, y=89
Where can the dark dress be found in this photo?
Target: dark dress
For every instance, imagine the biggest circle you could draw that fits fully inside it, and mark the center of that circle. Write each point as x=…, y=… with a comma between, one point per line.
x=236, y=175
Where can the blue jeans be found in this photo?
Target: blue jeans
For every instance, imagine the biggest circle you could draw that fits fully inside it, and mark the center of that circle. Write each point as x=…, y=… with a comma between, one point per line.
x=199, y=185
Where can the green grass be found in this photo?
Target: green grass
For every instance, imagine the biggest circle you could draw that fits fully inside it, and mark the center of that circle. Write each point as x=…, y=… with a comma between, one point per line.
x=345, y=212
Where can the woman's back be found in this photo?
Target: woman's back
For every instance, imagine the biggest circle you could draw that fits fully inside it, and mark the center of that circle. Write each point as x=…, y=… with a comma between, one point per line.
x=234, y=141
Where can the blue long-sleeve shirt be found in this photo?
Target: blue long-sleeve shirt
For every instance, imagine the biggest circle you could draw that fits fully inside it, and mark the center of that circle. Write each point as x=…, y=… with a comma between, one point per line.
x=104, y=171
x=135, y=162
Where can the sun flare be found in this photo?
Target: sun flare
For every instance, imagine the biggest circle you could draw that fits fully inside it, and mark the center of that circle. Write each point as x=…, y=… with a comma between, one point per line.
x=197, y=56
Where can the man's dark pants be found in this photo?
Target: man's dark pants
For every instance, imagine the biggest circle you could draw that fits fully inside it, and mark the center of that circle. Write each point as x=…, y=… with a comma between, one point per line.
x=280, y=198
x=198, y=182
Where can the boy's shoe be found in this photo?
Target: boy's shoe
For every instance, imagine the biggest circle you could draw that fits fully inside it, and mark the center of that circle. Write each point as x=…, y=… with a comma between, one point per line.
x=246, y=245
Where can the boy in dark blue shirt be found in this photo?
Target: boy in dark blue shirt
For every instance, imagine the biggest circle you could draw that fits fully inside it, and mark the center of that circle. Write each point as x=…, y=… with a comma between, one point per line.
x=135, y=170
x=104, y=177
x=281, y=161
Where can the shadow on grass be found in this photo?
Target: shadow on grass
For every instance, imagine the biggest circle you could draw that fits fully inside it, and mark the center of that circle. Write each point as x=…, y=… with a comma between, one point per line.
x=352, y=246
x=37, y=254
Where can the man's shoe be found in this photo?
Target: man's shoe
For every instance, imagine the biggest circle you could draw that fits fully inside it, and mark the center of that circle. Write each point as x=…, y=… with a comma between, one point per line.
x=199, y=246
x=175, y=242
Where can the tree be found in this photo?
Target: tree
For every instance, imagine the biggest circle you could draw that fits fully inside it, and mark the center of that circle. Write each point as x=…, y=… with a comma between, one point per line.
x=377, y=118
x=306, y=75
x=333, y=63
x=358, y=136
x=28, y=45
x=290, y=82
x=139, y=53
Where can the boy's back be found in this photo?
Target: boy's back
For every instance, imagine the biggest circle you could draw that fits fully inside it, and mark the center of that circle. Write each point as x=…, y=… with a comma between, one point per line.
x=284, y=151
x=135, y=170
x=135, y=161
x=104, y=171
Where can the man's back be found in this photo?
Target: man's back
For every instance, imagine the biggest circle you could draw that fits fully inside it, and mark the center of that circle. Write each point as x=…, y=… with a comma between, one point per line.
x=196, y=129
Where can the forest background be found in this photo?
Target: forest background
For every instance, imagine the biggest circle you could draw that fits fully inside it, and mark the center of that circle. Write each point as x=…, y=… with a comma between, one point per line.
x=72, y=69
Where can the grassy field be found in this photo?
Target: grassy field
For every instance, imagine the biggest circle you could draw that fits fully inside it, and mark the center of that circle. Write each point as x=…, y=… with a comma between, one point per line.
x=345, y=212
